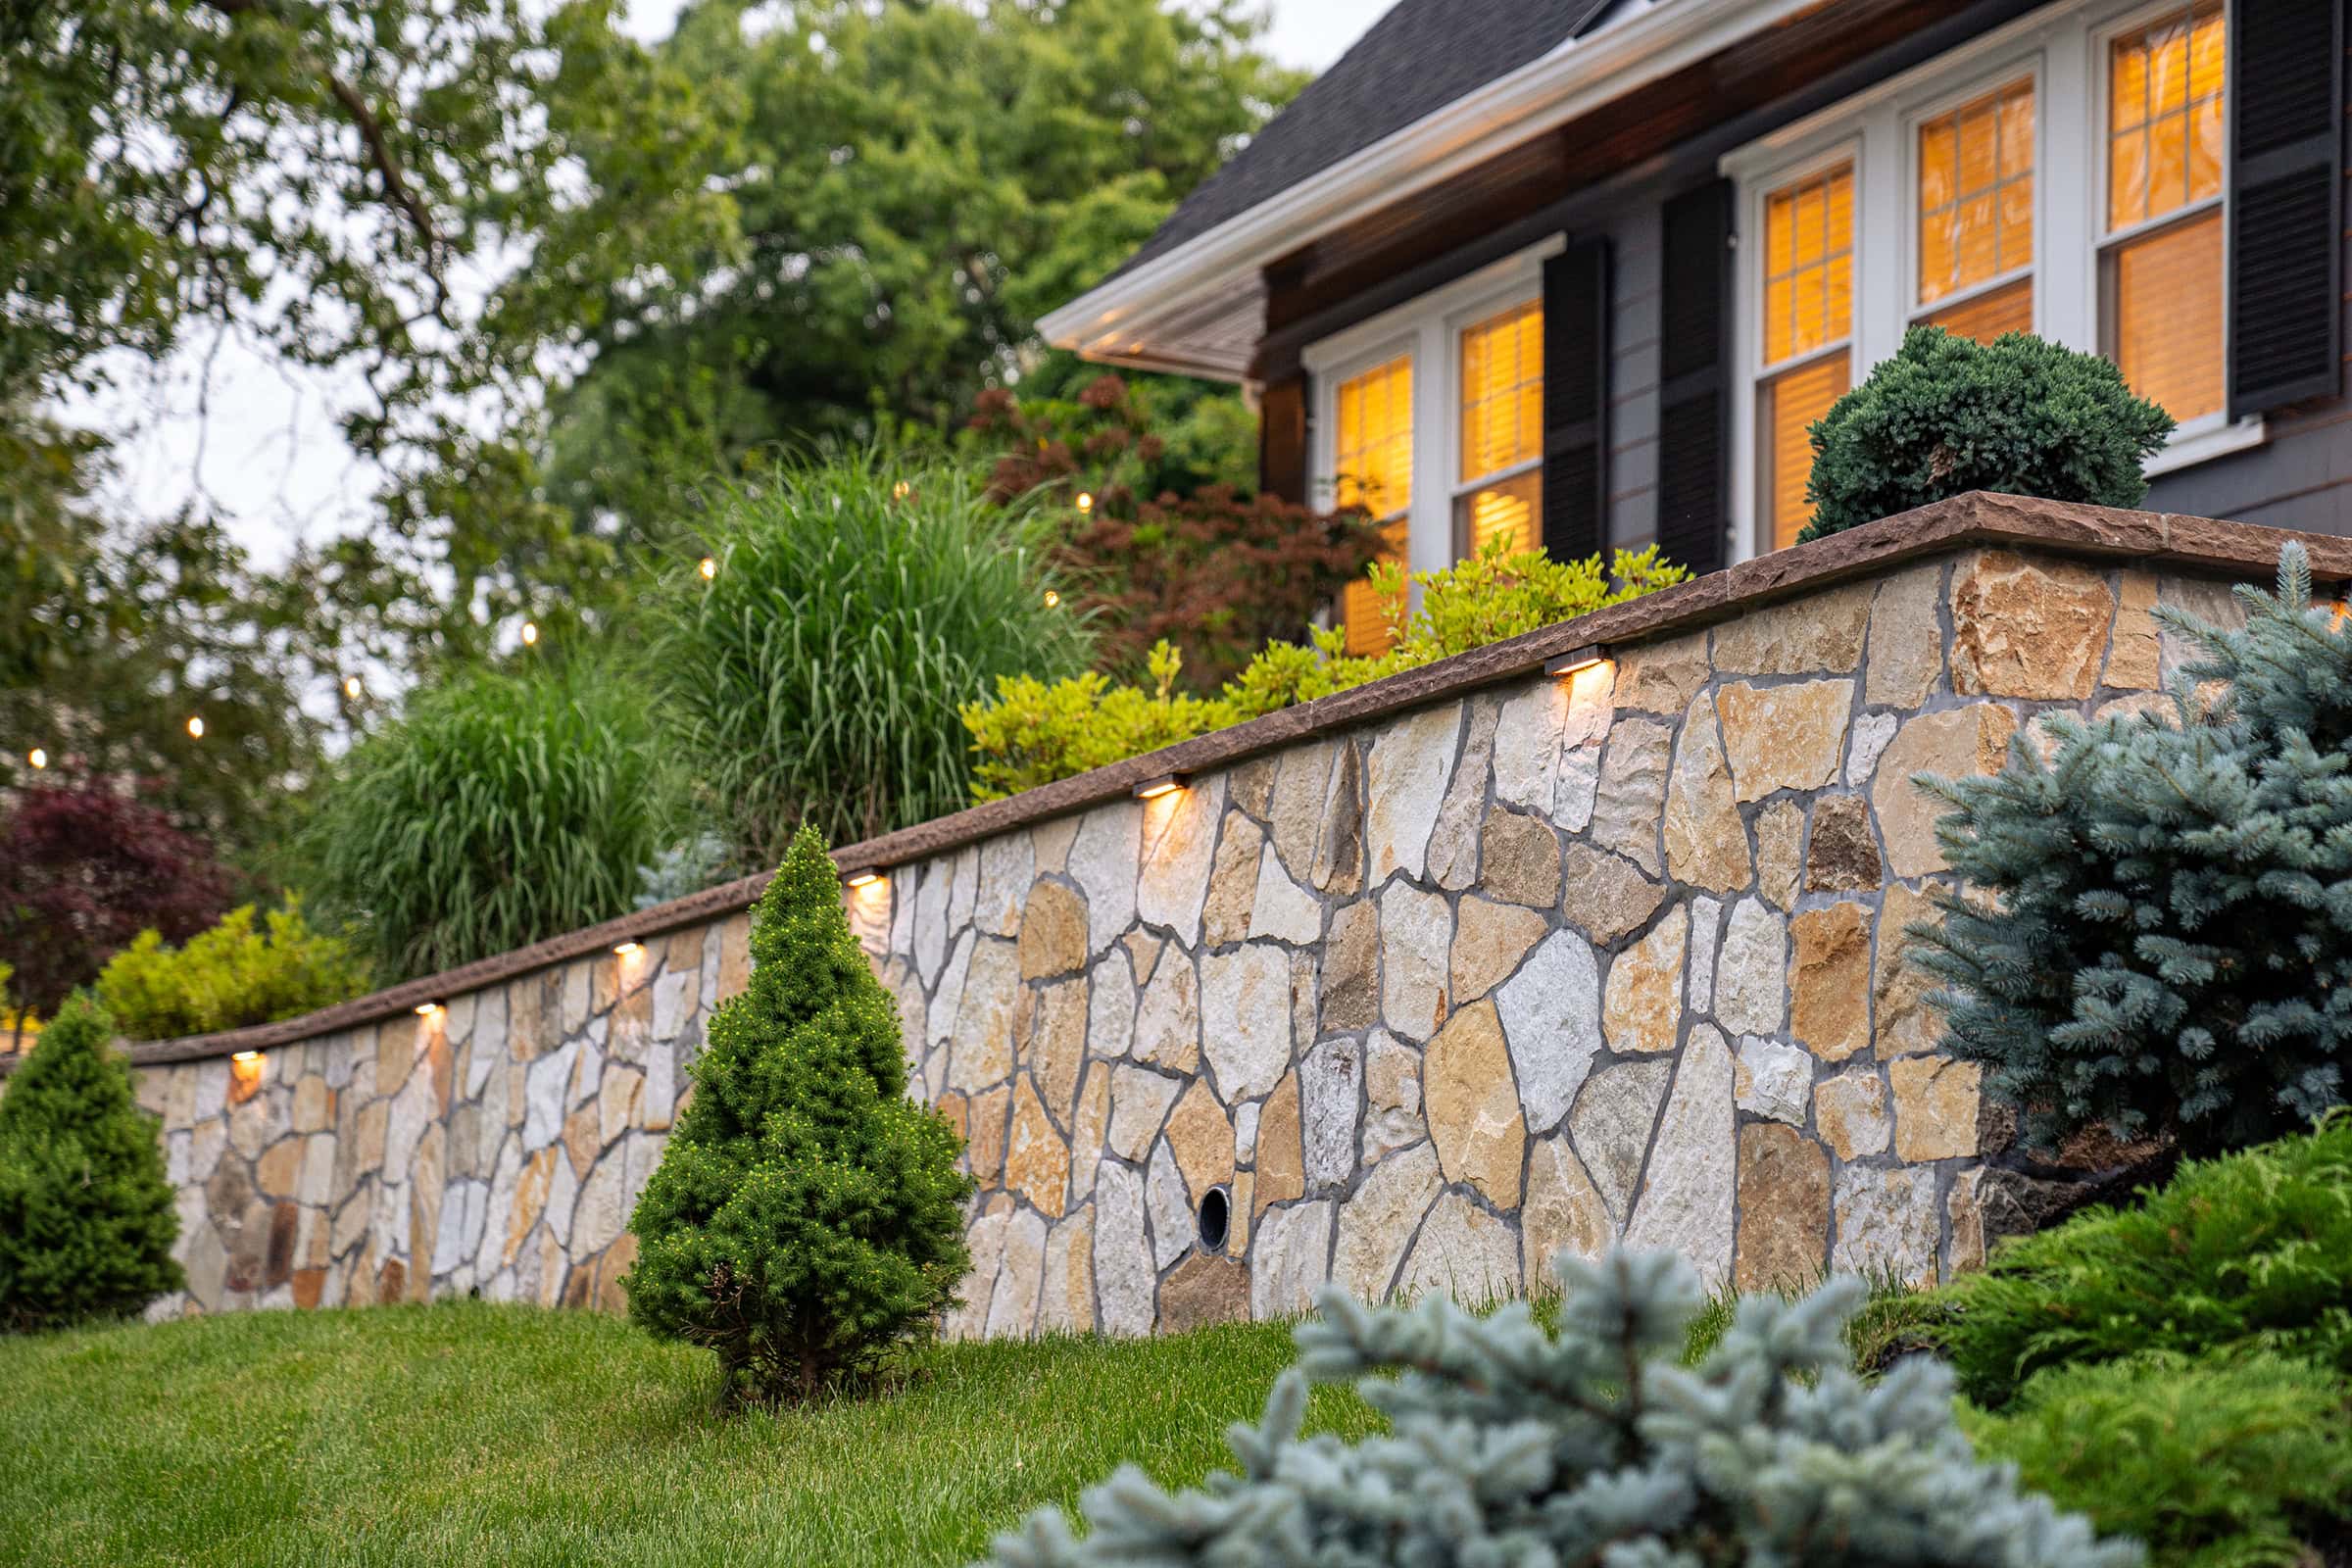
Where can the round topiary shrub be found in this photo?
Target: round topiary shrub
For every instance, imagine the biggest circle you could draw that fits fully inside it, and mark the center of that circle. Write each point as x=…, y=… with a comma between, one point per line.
x=1948, y=414
x=86, y=1218
x=806, y=1220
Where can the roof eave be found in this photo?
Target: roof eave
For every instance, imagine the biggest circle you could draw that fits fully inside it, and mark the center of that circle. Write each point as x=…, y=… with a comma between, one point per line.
x=1114, y=322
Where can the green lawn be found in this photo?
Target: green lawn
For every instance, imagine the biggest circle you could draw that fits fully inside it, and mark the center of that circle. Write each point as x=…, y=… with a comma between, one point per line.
x=465, y=1434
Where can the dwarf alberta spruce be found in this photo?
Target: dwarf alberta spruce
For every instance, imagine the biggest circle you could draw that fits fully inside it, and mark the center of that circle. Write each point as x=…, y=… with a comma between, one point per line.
x=805, y=1222
x=1510, y=1448
x=86, y=1218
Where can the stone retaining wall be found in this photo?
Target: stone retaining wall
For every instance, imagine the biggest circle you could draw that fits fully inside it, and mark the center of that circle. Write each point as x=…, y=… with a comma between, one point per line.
x=1487, y=964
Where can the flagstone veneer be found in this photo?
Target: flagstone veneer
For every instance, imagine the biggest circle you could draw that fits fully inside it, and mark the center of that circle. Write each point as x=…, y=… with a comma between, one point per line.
x=1429, y=980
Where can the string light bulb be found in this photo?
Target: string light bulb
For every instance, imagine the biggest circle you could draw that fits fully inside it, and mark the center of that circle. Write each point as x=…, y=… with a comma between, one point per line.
x=1053, y=598
x=530, y=634
x=901, y=490
x=708, y=568
x=196, y=726
x=38, y=758
x=351, y=687
x=1085, y=501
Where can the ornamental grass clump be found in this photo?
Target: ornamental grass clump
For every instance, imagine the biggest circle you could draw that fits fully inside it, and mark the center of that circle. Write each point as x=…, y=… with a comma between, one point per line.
x=2157, y=937
x=854, y=604
x=1516, y=1448
x=86, y=1218
x=503, y=808
x=1948, y=414
x=806, y=1223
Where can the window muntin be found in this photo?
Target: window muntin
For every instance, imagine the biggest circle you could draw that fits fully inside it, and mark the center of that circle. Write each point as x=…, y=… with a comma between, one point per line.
x=2161, y=261
x=1372, y=467
x=1497, y=494
x=1973, y=198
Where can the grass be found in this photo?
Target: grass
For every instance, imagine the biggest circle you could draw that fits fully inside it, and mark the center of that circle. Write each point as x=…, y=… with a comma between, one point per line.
x=468, y=1433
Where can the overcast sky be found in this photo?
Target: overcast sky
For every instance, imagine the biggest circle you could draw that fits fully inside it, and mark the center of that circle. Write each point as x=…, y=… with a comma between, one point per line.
x=265, y=453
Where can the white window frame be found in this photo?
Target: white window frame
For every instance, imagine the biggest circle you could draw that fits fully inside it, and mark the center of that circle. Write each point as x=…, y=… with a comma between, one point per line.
x=1428, y=328
x=2062, y=47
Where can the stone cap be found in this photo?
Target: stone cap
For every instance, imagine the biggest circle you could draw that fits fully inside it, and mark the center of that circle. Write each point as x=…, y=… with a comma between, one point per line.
x=1979, y=518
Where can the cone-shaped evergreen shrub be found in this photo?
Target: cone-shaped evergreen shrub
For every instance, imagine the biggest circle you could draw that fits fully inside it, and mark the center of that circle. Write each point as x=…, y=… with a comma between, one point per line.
x=2168, y=946
x=87, y=1220
x=806, y=1218
x=1515, y=1448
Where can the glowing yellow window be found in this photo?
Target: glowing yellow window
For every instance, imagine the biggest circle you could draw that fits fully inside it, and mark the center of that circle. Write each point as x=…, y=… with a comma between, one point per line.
x=2161, y=271
x=1373, y=466
x=1975, y=214
x=1808, y=326
x=1503, y=432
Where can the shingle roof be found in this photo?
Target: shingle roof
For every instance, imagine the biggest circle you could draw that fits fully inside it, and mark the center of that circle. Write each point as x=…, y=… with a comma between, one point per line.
x=1415, y=59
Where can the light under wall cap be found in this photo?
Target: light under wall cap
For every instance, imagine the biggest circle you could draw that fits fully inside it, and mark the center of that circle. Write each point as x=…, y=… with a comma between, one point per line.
x=1152, y=789
x=863, y=876
x=1576, y=658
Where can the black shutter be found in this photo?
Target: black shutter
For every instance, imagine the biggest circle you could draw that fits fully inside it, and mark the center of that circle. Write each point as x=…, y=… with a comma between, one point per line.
x=1282, y=439
x=1576, y=400
x=2286, y=65
x=1693, y=374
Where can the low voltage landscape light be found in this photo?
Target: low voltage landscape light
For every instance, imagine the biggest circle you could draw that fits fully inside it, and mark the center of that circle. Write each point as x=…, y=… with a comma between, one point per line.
x=1575, y=660
x=865, y=876
x=628, y=950
x=428, y=1010
x=1151, y=789
x=246, y=1057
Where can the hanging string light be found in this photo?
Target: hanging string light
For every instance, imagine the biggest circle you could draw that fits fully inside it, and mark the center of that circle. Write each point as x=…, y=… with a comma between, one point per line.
x=1052, y=599
x=38, y=758
x=530, y=634
x=898, y=491
x=1085, y=501
x=709, y=567
x=196, y=726
x=351, y=687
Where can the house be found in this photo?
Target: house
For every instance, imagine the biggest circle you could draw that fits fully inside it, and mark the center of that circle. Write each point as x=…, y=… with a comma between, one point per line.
x=1583, y=270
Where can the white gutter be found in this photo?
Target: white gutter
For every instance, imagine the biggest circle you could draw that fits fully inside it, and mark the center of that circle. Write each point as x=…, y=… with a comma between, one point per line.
x=1112, y=322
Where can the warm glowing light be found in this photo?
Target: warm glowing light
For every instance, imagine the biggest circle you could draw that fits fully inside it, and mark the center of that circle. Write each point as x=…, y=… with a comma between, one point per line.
x=863, y=878
x=530, y=634
x=1085, y=501
x=351, y=687
x=1053, y=598
x=196, y=725
x=38, y=758
x=1153, y=789
x=709, y=567
x=1576, y=658
x=246, y=1055
x=428, y=1010
x=628, y=950
x=898, y=491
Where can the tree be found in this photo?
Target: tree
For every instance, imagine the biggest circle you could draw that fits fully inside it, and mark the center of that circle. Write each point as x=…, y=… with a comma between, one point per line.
x=918, y=184
x=84, y=869
x=1509, y=1444
x=805, y=1222
x=2155, y=935
x=86, y=1218
x=436, y=196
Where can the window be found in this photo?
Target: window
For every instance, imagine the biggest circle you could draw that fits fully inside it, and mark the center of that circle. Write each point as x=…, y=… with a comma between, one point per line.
x=1372, y=468
x=1975, y=215
x=2160, y=266
x=1808, y=316
x=1501, y=494
x=2064, y=173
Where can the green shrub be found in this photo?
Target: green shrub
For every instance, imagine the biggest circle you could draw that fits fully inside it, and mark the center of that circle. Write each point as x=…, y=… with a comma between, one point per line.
x=2252, y=1251
x=1948, y=414
x=805, y=1222
x=2211, y=1464
x=1509, y=1445
x=2167, y=945
x=818, y=674
x=229, y=976
x=1038, y=730
x=501, y=808
x=86, y=1218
